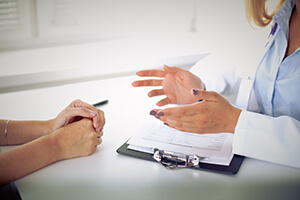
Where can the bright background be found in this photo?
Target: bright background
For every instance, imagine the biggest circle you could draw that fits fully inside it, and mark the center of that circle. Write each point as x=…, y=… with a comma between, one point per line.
x=52, y=42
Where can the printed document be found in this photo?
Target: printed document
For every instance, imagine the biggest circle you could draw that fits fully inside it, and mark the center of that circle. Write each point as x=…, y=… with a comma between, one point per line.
x=216, y=148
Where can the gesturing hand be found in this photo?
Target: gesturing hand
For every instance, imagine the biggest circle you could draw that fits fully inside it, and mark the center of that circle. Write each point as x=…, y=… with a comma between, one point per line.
x=212, y=114
x=76, y=111
x=176, y=84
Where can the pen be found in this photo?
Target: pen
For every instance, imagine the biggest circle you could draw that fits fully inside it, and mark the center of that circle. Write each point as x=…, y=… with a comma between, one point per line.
x=100, y=103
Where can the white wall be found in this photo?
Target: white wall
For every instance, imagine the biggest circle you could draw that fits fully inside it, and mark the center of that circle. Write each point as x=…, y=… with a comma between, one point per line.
x=56, y=21
x=73, y=39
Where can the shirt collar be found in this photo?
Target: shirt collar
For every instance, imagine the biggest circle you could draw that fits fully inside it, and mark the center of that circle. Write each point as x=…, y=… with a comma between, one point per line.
x=282, y=16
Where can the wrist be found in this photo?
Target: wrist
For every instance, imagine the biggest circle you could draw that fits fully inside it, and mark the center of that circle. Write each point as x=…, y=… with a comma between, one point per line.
x=48, y=146
x=235, y=117
x=49, y=127
x=54, y=143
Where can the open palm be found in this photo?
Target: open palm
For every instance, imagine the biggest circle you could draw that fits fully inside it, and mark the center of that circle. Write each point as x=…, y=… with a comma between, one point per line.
x=176, y=85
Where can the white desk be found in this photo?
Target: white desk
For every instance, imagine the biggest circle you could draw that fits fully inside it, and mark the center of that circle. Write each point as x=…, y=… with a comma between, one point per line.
x=107, y=175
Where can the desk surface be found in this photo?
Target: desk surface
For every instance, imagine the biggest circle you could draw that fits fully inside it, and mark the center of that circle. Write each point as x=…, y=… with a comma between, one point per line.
x=107, y=175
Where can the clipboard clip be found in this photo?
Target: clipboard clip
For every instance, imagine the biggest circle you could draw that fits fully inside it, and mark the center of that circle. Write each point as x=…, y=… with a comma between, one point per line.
x=172, y=160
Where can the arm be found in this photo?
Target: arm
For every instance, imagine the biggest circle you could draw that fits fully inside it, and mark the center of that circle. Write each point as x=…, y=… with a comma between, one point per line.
x=216, y=75
x=273, y=139
x=74, y=140
x=276, y=139
x=76, y=131
x=20, y=132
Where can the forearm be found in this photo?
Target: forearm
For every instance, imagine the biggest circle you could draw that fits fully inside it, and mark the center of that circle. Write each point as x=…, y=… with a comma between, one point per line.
x=273, y=139
x=28, y=158
x=20, y=132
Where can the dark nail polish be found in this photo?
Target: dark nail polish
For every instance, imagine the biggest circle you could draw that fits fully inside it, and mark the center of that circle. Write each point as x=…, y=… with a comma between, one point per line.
x=195, y=92
x=160, y=114
x=166, y=124
x=153, y=112
x=200, y=100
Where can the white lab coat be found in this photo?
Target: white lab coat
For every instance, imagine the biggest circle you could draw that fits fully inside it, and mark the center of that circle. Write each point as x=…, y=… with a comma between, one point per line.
x=256, y=135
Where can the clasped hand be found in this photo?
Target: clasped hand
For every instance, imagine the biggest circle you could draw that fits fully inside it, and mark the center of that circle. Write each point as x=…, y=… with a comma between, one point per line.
x=78, y=110
x=78, y=129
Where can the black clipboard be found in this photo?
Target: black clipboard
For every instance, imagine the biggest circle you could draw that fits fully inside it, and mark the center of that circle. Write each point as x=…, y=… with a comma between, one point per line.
x=10, y=191
x=232, y=169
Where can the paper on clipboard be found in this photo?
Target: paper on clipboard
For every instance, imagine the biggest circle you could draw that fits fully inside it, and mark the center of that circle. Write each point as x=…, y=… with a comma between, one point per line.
x=217, y=148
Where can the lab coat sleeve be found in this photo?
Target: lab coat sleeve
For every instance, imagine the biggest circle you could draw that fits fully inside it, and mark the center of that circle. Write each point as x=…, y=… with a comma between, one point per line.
x=260, y=136
x=217, y=74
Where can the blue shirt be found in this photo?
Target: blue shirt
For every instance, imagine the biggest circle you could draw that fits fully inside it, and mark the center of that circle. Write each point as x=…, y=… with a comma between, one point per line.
x=277, y=82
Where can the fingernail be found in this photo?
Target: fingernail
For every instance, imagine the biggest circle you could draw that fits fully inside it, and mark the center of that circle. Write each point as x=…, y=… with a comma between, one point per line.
x=153, y=112
x=200, y=100
x=92, y=113
x=166, y=124
x=160, y=114
x=195, y=91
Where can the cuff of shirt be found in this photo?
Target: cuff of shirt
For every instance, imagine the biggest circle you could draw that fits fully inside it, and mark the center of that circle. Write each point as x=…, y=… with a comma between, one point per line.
x=239, y=133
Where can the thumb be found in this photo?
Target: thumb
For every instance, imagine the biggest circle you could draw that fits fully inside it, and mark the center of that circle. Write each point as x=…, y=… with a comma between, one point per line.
x=204, y=95
x=169, y=69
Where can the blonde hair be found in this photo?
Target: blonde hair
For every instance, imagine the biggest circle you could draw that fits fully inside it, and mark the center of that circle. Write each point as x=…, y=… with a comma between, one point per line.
x=257, y=12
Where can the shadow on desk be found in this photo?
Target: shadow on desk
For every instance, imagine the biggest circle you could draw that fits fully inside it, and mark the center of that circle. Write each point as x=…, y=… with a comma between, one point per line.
x=9, y=192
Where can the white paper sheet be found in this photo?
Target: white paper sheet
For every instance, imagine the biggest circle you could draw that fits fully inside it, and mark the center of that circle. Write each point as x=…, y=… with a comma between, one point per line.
x=217, y=148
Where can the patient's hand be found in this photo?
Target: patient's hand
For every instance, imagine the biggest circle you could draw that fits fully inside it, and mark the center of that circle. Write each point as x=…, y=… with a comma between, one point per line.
x=76, y=139
x=76, y=111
